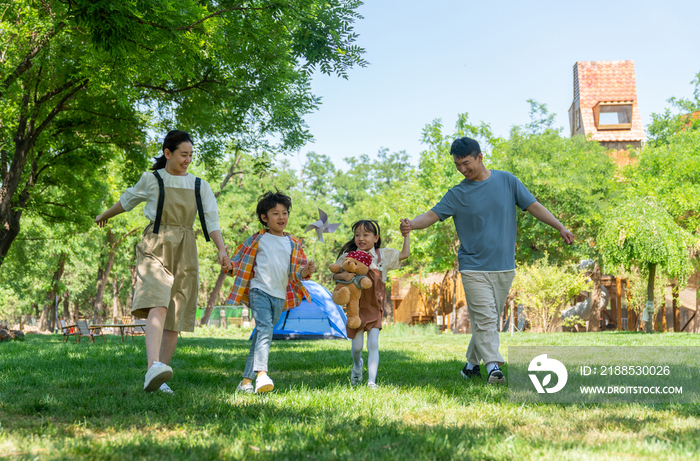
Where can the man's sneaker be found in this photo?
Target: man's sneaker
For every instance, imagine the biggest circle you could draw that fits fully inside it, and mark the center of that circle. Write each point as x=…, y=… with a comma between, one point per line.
x=158, y=374
x=473, y=373
x=263, y=383
x=372, y=386
x=496, y=376
x=165, y=389
x=245, y=388
x=356, y=374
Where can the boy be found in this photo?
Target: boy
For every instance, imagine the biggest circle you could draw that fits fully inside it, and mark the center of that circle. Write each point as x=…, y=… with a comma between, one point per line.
x=269, y=266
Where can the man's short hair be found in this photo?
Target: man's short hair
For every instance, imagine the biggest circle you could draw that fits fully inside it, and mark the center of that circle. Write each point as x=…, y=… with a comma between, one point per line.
x=462, y=147
x=269, y=200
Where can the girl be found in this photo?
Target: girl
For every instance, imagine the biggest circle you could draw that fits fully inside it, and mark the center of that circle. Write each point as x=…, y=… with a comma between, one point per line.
x=367, y=238
x=167, y=268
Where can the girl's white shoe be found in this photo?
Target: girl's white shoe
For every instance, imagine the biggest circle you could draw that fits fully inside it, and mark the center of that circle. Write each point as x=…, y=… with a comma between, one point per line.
x=356, y=374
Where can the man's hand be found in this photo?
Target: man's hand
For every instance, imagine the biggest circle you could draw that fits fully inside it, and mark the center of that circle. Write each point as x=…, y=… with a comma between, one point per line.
x=309, y=269
x=100, y=221
x=567, y=236
x=405, y=227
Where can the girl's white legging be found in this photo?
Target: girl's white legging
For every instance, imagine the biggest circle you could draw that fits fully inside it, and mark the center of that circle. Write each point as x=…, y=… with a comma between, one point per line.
x=372, y=352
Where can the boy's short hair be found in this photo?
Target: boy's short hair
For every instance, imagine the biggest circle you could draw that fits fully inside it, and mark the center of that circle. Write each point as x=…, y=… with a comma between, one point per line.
x=269, y=200
x=465, y=146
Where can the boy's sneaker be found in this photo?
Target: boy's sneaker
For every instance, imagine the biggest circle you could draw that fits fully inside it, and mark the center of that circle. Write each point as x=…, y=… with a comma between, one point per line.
x=263, y=383
x=372, y=386
x=356, y=374
x=165, y=389
x=496, y=376
x=158, y=374
x=245, y=388
x=473, y=373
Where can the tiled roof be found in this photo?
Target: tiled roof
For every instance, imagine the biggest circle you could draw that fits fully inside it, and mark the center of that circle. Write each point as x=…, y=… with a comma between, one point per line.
x=610, y=81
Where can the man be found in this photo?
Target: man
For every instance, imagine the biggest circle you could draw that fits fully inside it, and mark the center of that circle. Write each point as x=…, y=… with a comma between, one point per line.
x=483, y=209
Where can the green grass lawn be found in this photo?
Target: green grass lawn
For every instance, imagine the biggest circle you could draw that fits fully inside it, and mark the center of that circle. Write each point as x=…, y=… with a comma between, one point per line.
x=84, y=401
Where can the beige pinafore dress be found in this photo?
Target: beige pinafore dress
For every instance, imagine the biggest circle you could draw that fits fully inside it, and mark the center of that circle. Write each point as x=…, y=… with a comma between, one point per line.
x=167, y=269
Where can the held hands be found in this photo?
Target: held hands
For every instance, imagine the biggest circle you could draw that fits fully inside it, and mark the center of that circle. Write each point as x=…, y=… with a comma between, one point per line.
x=309, y=269
x=405, y=226
x=226, y=265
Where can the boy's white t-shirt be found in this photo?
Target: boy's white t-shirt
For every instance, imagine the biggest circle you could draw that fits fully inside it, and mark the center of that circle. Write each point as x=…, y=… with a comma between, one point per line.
x=272, y=265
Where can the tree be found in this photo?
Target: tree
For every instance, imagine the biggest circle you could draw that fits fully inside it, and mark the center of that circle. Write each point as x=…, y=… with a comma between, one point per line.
x=641, y=233
x=572, y=177
x=664, y=126
x=670, y=172
x=78, y=76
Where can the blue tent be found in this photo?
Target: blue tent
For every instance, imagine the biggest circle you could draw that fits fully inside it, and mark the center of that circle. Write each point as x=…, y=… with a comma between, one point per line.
x=319, y=319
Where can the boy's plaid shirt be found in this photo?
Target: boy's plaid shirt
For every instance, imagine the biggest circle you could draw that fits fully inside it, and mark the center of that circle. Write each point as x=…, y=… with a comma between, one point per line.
x=244, y=260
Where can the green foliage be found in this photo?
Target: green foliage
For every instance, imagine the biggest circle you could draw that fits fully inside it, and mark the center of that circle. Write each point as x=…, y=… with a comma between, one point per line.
x=545, y=289
x=85, y=83
x=670, y=172
x=640, y=232
x=572, y=177
x=665, y=126
x=573, y=321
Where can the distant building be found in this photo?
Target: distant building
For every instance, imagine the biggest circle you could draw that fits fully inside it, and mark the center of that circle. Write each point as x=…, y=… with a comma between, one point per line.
x=605, y=106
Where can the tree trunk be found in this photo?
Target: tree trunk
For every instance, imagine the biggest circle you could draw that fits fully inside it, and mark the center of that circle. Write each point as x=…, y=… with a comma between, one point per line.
x=133, y=272
x=439, y=300
x=676, y=311
x=102, y=277
x=212, y=298
x=596, y=294
x=454, y=298
x=76, y=312
x=47, y=321
x=649, y=310
x=116, y=315
x=66, y=306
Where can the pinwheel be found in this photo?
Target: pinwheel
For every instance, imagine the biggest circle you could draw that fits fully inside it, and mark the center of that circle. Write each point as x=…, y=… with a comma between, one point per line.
x=322, y=227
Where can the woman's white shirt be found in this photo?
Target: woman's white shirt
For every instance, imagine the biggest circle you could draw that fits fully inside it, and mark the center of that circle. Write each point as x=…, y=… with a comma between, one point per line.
x=146, y=190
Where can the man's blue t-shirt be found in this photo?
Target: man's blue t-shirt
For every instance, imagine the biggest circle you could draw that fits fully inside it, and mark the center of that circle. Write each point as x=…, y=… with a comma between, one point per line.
x=485, y=219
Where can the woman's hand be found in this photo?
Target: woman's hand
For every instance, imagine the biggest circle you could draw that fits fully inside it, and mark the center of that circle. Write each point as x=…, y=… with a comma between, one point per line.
x=100, y=221
x=226, y=265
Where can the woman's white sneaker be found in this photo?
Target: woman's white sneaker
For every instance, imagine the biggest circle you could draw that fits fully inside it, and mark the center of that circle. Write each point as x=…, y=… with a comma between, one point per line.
x=158, y=374
x=165, y=389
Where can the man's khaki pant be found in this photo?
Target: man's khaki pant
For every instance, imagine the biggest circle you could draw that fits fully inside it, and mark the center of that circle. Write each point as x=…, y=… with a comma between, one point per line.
x=486, y=294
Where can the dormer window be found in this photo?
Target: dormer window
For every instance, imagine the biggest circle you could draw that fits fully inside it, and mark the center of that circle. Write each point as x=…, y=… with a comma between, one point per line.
x=613, y=115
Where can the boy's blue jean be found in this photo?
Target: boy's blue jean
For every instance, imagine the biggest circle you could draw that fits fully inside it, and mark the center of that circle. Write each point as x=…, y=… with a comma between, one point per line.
x=267, y=311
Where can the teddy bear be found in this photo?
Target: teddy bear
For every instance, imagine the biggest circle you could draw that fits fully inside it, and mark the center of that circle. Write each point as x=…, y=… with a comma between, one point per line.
x=347, y=293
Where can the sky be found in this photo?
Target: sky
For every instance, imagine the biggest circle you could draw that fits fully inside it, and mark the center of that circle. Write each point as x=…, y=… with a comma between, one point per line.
x=436, y=59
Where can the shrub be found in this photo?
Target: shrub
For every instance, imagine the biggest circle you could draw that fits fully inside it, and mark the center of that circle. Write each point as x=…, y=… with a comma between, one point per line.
x=545, y=290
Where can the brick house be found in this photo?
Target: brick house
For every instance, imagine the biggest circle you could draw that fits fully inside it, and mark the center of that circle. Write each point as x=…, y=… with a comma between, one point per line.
x=605, y=106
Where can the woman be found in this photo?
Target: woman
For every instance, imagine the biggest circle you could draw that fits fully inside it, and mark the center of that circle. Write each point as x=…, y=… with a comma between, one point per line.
x=167, y=266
